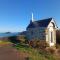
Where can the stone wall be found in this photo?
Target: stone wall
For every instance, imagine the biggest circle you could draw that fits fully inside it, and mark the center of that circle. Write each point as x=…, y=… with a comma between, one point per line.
x=36, y=33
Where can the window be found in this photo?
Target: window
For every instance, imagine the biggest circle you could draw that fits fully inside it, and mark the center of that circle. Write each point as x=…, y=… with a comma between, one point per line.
x=51, y=37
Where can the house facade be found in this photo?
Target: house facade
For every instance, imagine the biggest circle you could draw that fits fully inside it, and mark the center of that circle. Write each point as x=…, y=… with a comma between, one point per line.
x=42, y=30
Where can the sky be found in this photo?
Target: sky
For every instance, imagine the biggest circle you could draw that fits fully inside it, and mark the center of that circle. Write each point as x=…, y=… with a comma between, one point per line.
x=15, y=15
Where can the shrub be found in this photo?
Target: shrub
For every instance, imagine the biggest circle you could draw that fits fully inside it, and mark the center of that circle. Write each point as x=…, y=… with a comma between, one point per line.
x=58, y=46
x=38, y=44
x=13, y=39
x=58, y=36
x=21, y=38
x=51, y=50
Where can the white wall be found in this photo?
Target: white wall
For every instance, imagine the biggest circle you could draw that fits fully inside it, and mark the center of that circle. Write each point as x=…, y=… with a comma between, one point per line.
x=48, y=36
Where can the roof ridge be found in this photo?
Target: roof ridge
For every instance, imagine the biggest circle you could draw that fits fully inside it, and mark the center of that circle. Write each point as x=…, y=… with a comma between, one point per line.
x=43, y=19
x=40, y=23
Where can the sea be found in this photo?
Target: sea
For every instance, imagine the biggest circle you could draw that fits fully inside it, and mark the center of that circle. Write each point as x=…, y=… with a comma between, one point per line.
x=9, y=34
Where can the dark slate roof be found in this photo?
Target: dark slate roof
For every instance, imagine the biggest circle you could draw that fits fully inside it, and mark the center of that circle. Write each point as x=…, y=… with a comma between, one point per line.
x=39, y=23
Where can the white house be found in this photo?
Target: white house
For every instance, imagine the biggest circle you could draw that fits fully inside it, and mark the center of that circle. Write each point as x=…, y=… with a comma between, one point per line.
x=43, y=30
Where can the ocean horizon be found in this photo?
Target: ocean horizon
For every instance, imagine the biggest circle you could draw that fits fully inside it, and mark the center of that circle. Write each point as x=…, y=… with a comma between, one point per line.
x=7, y=34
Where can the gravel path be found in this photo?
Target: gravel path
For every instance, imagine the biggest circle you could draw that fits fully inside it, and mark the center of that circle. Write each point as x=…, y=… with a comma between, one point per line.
x=9, y=53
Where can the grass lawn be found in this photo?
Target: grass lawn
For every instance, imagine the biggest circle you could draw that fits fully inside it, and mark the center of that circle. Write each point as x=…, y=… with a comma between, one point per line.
x=4, y=42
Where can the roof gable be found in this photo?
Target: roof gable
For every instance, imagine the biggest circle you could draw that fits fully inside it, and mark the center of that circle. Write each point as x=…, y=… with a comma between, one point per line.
x=40, y=23
x=53, y=23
